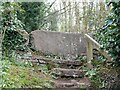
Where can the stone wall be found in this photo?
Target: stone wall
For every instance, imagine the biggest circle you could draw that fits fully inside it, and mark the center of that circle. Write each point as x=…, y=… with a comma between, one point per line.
x=59, y=43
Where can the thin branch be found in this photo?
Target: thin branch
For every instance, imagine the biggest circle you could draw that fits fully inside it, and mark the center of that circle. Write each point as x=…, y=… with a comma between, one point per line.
x=57, y=14
x=50, y=6
x=54, y=13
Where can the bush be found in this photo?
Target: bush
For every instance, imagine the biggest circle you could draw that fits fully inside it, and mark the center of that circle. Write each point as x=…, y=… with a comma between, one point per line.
x=110, y=36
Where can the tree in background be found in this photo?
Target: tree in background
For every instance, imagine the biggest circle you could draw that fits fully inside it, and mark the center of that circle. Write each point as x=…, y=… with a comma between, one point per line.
x=80, y=16
x=33, y=16
x=53, y=21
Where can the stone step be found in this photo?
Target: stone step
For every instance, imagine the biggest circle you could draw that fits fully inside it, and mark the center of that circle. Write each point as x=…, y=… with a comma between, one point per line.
x=69, y=62
x=37, y=61
x=62, y=72
x=69, y=66
x=64, y=83
x=74, y=63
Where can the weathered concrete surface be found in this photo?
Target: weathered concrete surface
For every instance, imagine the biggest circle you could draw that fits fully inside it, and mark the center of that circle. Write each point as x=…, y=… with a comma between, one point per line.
x=73, y=84
x=59, y=43
x=75, y=73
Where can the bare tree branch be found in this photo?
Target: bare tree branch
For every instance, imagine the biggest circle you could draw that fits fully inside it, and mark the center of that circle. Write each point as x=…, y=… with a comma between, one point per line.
x=50, y=6
x=46, y=21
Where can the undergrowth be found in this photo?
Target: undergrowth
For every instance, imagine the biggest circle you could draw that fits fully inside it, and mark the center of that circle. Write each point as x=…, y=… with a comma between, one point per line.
x=102, y=75
x=18, y=74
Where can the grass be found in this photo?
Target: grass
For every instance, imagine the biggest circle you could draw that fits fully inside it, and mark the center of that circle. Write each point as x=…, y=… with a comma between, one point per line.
x=18, y=74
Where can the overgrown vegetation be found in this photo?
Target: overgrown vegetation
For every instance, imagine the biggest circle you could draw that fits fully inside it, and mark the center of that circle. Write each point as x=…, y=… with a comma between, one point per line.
x=10, y=28
x=109, y=37
x=13, y=72
x=19, y=74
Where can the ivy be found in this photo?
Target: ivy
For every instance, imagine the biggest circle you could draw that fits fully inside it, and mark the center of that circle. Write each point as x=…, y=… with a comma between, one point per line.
x=10, y=26
x=110, y=36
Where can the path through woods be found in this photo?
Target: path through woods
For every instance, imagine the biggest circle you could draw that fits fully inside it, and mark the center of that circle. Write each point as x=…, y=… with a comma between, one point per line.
x=68, y=73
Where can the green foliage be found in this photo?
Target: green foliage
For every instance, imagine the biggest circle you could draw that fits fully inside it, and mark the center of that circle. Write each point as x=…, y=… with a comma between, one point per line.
x=18, y=74
x=94, y=77
x=97, y=75
x=33, y=16
x=10, y=26
x=110, y=36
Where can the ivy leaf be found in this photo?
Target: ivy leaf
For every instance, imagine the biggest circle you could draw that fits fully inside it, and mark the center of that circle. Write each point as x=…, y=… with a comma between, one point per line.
x=109, y=22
